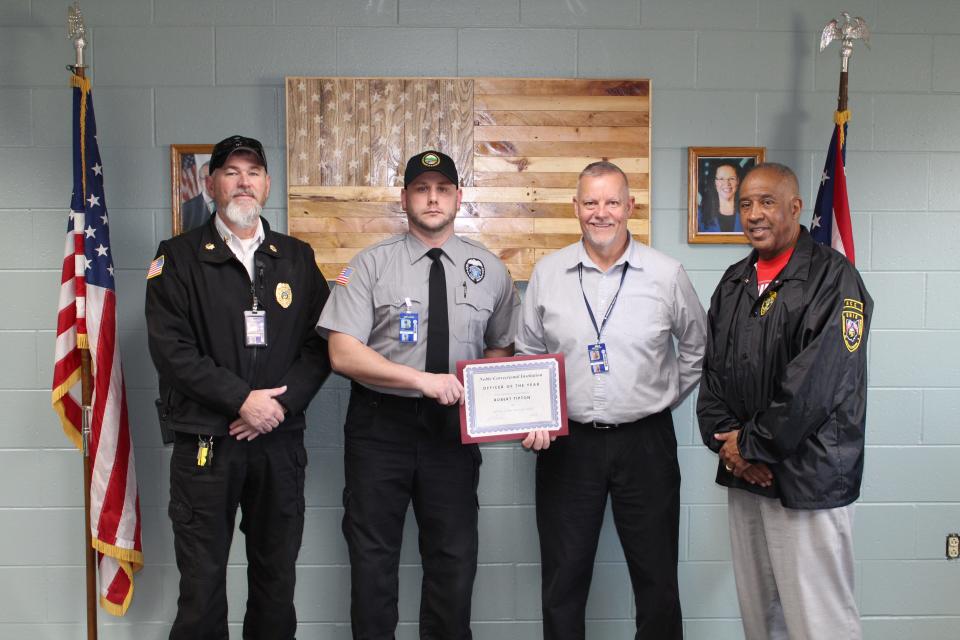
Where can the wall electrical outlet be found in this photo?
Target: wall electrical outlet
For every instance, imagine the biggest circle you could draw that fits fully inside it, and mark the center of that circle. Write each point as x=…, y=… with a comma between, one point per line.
x=953, y=546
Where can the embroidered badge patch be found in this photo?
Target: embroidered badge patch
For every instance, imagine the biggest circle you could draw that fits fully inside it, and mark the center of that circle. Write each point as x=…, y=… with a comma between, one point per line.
x=156, y=268
x=475, y=269
x=430, y=160
x=851, y=319
x=767, y=303
x=284, y=294
x=344, y=278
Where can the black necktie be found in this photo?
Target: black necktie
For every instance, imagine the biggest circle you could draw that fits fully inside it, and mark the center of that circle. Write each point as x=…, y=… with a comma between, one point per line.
x=438, y=328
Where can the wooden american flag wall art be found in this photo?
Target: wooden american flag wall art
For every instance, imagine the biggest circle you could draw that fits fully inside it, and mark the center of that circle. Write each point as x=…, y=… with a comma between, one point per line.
x=519, y=145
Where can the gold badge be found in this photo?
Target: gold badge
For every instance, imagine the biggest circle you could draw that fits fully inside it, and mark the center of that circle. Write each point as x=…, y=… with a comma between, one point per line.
x=851, y=323
x=273, y=248
x=209, y=246
x=767, y=303
x=284, y=294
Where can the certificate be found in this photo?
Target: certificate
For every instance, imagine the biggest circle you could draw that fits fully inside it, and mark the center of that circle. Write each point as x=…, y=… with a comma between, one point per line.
x=506, y=398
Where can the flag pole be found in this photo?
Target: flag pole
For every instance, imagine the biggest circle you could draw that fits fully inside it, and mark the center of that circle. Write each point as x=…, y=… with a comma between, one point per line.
x=76, y=31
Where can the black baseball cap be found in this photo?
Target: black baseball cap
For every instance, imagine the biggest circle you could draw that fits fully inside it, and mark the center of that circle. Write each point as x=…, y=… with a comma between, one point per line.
x=227, y=146
x=430, y=161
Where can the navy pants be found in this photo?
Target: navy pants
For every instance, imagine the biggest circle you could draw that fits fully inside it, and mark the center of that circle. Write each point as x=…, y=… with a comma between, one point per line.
x=394, y=455
x=636, y=465
x=265, y=478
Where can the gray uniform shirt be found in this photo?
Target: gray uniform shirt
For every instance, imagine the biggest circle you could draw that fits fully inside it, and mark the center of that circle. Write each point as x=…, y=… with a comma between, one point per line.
x=482, y=303
x=656, y=305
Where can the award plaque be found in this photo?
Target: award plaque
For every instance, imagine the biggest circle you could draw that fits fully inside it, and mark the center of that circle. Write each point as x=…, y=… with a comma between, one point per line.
x=507, y=398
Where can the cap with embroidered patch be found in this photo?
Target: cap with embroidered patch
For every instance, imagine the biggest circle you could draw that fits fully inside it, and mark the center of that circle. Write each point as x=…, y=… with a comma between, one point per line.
x=430, y=161
x=226, y=147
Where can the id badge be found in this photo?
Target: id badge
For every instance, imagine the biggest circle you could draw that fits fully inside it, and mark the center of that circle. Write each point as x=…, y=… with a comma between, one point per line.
x=597, y=354
x=255, y=326
x=409, y=326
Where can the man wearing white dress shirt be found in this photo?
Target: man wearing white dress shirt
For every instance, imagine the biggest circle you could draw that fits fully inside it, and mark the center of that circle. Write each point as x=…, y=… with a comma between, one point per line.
x=614, y=308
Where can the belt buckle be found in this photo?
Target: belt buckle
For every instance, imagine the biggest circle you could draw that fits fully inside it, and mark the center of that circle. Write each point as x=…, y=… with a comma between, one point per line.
x=601, y=426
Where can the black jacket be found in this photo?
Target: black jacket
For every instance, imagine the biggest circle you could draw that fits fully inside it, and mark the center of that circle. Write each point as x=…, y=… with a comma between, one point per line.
x=789, y=368
x=195, y=327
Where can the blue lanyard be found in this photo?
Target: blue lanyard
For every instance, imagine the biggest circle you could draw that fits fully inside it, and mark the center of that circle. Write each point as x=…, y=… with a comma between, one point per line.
x=606, y=316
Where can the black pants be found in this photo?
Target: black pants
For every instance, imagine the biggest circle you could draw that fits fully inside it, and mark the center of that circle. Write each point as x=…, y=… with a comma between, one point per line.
x=392, y=456
x=265, y=478
x=637, y=466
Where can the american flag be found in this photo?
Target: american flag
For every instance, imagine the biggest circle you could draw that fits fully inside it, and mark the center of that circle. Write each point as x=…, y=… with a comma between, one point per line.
x=87, y=318
x=831, y=223
x=189, y=181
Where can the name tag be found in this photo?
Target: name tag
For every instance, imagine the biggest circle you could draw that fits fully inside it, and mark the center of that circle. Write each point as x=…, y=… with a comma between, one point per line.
x=597, y=355
x=409, y=326
x=255, y=326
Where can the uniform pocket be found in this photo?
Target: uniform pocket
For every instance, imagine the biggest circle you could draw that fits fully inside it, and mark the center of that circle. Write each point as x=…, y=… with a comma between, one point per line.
x=180, y=512
x=471, y=313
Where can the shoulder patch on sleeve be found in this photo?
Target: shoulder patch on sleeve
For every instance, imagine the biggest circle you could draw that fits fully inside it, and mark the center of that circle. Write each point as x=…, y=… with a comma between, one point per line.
x=344, y=278
x=156, y=267
x=851, y=319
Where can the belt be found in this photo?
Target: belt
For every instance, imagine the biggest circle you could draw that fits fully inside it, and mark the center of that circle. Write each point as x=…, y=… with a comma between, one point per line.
x=609, y=426
x=404, y=403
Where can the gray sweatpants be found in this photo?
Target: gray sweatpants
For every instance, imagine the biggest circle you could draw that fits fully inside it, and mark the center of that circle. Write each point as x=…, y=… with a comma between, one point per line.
x=794, y=569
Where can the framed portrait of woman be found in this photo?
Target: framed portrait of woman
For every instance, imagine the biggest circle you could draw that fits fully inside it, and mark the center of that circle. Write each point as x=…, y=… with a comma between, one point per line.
x=190, y=203
x=714, y=178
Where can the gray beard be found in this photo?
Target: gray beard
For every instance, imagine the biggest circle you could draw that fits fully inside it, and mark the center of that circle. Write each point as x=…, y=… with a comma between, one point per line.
x=244, y=217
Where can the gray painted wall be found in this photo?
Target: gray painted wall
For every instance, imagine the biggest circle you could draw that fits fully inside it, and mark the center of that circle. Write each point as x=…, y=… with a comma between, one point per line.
x=724, y=72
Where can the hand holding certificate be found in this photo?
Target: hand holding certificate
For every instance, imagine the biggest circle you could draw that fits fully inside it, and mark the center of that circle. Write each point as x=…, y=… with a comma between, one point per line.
x=506, y=398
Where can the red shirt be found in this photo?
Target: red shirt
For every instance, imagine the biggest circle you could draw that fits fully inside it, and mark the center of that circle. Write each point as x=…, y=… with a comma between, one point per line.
x=767, y=270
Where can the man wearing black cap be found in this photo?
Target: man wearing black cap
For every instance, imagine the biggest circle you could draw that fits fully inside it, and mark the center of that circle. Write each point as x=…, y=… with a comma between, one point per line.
x=231, y=308
x=406, y=309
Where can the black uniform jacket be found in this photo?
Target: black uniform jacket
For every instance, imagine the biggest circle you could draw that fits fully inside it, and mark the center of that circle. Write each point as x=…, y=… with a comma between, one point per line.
x=789, y=368
x=195, y=326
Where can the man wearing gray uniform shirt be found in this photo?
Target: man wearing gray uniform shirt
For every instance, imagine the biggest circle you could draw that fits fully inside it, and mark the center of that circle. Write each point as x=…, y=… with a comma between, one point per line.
x=613, y=307
x=405, y=310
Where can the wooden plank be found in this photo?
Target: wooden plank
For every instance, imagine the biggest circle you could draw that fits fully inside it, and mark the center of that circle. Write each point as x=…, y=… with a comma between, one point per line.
x=518, y=272
x=301, y=209
x=470, y=194
x=561, y=87
x=299, y=206
x=457, y=125
x=343, y=240
x=592, y=118
x=561, y=134
x=561, y=103
x=598, y=150
x=399, y=225
x=574, y=164
x=347, y=194
x=363, y=171
x=301, y=225
x=386, y=133
x=525, y=194
x=548, y=179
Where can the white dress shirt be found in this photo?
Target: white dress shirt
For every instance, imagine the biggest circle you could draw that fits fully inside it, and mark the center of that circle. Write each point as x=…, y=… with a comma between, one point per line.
x=242, y=248
x=656, y=304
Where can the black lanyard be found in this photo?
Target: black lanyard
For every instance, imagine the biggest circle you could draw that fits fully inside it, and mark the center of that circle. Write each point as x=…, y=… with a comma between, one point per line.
x=606, y=316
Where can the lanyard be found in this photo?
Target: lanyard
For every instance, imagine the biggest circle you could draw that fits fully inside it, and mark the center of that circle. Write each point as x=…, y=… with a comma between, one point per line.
x=606, y=315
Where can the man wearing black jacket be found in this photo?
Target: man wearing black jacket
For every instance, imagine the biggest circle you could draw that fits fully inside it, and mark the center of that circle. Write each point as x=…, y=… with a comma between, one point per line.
x=783, y=402
x=230, y=309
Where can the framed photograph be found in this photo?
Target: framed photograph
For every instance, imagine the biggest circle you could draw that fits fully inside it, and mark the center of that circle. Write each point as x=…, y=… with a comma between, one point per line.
x=714, y=175
x=191, y=205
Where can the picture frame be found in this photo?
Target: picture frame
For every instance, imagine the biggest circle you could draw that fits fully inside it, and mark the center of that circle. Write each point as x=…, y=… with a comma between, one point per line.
x=190, y=207
x=712, y=216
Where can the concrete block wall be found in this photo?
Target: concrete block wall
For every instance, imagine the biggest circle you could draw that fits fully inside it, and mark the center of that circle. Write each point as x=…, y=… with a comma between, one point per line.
x=724, y=72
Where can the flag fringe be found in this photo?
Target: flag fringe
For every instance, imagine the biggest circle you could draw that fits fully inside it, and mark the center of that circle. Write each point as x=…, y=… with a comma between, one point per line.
x=840, y=118
x=113, y=608
x=82, y=83
x=130, y=556
x=71, y=430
